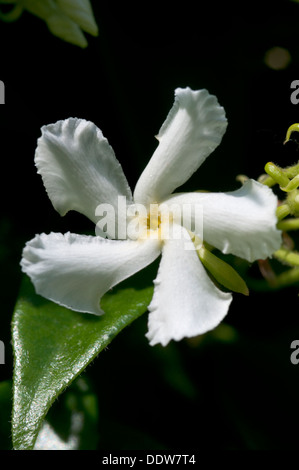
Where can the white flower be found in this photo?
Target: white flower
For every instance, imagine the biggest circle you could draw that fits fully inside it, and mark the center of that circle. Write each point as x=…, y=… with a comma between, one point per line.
x=65, y=18
x=80, y=171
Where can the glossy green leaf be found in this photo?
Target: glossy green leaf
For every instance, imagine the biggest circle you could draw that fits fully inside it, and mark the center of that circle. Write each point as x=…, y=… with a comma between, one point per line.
x=53, y=345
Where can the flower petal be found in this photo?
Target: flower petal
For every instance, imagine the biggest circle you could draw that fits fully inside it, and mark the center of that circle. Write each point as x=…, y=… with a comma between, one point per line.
x=79, y=168
x=241, y=222
x=193, y=129
x=186, y=302
x=77, y=270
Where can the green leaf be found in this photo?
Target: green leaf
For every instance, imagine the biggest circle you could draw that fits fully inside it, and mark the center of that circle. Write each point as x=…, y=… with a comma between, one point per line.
x=53, y=345
x=222, y=272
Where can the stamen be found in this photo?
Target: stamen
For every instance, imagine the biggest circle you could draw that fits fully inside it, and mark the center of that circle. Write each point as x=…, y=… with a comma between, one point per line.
x=154, y=217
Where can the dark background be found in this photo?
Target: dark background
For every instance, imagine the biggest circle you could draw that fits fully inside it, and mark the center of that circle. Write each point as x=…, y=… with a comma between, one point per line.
x=235, y=389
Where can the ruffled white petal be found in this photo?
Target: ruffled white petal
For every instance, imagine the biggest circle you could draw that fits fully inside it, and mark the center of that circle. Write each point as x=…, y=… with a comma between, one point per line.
x=193, y=129
x=77, y=270
x=79, y=168
x=186, y=302
x=241, y=222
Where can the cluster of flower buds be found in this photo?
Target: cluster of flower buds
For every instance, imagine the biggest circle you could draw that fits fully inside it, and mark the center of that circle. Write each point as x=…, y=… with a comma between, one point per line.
x=286, y=181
